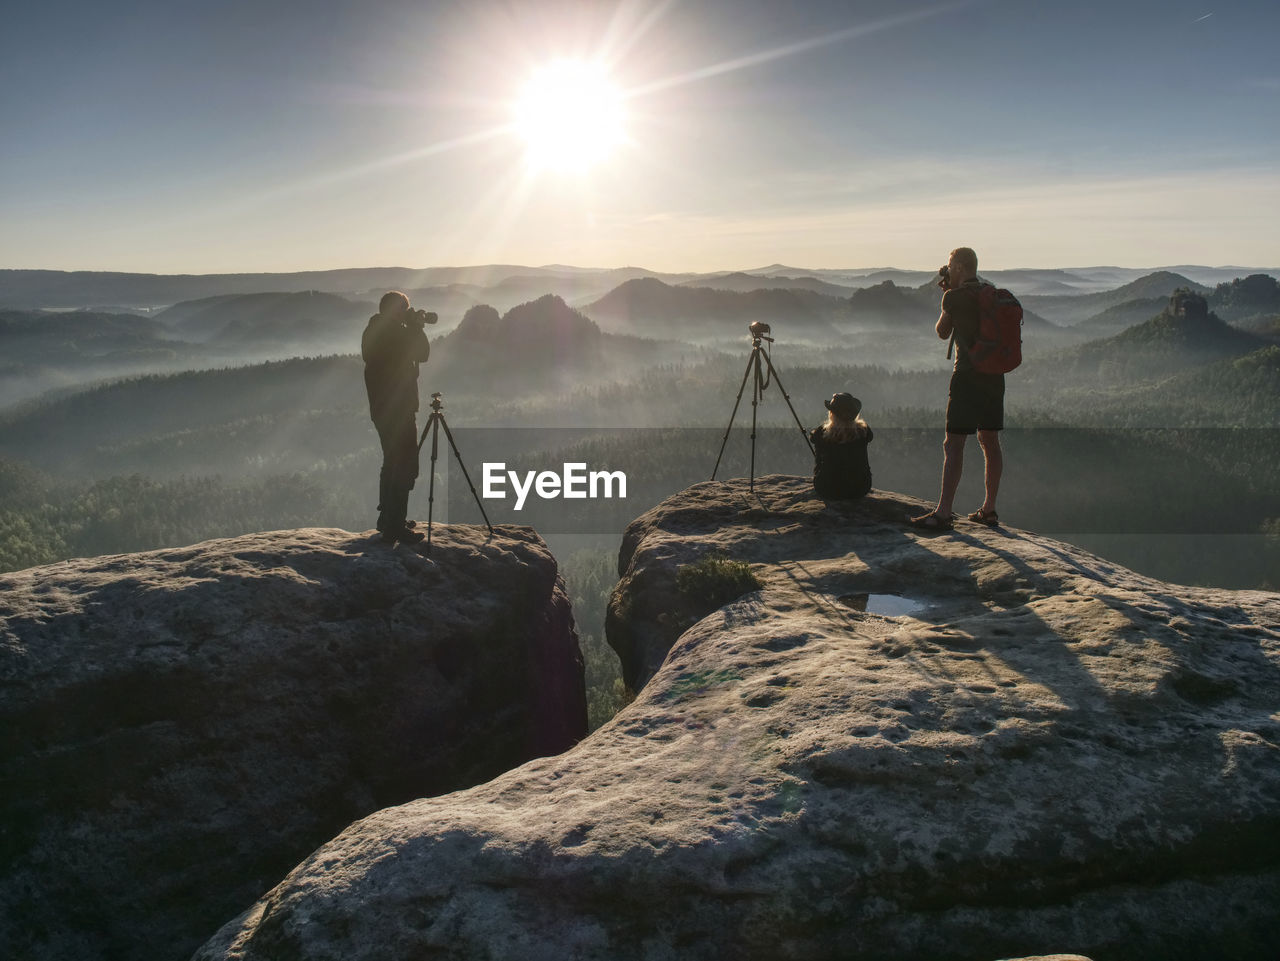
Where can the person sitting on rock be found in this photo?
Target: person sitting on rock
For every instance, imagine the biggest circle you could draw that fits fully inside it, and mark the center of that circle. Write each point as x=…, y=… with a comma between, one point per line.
x=840, y=467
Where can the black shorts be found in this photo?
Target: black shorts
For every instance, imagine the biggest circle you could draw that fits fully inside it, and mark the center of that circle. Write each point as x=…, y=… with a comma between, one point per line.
x=975, y=402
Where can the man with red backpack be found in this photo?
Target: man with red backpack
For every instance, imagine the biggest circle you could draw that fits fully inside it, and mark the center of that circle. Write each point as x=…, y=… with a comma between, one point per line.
x=983, y=324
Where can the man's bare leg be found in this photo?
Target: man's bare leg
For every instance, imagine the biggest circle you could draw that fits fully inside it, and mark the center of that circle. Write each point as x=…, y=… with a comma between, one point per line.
x=952, y=468
x=993, y=467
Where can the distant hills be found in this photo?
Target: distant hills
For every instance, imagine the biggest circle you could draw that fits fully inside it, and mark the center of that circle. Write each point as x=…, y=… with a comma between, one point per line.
x=541, y=332
x=28, y=334
x=1251, y=302
x=743, y=282
x=546, y=363
x=1120, y=316
x=638, y=316
x=310, y=317
x=1070, y=310
x=71, y=289
x=55, y=289
x=541, y=345
x=651, y=308
x=1029, y=282
x=125, y=425
x=505, y=285
x=42, y=351
x=1203, y=335
x=1254, y=296
x=1184, y=335
x=887, y=304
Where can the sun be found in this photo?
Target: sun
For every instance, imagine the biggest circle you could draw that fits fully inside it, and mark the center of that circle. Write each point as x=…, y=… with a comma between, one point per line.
x=570, y=116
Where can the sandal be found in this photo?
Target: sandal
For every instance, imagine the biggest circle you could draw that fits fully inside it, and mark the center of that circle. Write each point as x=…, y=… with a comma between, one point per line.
x=930, y=522
x=990, y=518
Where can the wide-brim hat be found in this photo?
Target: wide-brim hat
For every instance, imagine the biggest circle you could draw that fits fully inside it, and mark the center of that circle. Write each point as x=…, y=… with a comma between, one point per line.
x=844, y=405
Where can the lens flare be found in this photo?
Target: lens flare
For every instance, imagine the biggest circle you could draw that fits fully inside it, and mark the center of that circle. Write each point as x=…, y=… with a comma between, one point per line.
x=570, y=116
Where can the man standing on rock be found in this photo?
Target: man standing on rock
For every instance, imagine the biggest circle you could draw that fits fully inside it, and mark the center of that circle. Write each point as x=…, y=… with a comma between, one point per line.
x=975, y=401
x=393, y=346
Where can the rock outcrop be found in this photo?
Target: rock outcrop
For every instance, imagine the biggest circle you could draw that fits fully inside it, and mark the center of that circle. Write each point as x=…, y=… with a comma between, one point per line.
x=179, y=728
x=1048, y=753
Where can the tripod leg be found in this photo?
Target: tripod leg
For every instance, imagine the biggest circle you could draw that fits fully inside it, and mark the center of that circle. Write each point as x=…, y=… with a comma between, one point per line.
x=787, y=397
x=434, y=425
x=757, y=393
x=449, y=434
x=745, y=374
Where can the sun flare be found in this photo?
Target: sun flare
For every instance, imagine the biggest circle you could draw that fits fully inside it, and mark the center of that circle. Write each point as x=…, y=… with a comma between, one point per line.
x=570, y=116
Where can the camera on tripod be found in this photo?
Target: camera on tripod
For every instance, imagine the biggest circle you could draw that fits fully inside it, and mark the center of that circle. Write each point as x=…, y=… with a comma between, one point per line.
x=757, y=364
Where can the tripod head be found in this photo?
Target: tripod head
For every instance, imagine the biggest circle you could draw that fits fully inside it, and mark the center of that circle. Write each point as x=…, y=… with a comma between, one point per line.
x=436, y=403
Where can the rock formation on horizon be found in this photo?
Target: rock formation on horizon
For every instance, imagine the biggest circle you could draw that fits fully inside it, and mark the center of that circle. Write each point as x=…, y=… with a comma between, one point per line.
x=652, y=308
x=179, y=728
x=541, y=345
x=1035, y=751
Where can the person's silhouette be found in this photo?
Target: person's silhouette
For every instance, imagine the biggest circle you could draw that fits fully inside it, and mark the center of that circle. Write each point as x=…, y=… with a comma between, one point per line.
x=393, y=345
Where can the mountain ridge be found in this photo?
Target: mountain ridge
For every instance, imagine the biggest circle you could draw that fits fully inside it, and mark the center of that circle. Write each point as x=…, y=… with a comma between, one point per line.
x=69, y=289
x=1070, y=310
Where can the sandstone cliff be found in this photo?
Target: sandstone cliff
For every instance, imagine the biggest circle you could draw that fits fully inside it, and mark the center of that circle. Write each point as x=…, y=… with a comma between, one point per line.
x=1049, y=753
x=179, y=728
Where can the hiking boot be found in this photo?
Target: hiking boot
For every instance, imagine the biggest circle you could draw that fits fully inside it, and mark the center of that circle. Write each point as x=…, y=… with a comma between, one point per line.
x=403, y=536
x=383, y=530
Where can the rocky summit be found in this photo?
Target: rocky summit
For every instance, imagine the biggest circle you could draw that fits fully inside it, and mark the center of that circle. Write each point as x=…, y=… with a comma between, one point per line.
x=876, y=744
x=179, y=728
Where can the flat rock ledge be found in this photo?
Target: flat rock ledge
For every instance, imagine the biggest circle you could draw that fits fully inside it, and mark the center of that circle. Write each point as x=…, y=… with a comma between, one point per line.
x=1048, y=754
x=179, y=728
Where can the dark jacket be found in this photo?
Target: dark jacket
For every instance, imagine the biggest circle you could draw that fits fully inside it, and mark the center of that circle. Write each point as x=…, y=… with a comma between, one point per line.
x=392, y=352
x=841, y=470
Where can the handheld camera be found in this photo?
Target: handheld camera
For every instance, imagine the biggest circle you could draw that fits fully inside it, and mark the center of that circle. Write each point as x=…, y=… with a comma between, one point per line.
x=420, y=317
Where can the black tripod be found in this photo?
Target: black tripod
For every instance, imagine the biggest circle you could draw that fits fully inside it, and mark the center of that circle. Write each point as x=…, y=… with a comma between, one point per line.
x=434, y=423
x=759, y=332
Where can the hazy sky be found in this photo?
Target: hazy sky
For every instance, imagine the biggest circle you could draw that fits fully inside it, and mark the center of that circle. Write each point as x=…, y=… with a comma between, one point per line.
x=238, y=135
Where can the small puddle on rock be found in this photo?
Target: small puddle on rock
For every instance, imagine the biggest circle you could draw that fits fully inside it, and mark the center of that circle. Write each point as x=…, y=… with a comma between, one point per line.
x=888, y=605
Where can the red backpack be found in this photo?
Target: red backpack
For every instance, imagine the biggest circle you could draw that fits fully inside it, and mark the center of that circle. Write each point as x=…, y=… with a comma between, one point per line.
x=998, y=348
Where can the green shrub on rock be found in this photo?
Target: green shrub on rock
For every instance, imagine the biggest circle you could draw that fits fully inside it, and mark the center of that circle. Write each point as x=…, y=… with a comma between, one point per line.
x=716, y=579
